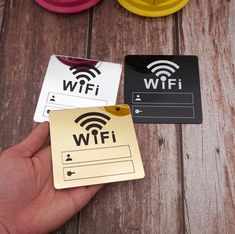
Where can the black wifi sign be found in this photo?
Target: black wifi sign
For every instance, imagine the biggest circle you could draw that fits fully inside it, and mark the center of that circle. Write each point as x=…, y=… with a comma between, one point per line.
x=92, y=121
x=84, y=72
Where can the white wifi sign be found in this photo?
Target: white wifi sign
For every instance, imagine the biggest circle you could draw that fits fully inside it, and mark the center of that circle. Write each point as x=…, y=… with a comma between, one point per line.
x=163, y=69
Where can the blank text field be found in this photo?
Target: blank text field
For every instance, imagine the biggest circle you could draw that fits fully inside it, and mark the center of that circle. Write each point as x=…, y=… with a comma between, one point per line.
x=162, y=98
x=97, y=154
x=99, y=170
x=75, y=101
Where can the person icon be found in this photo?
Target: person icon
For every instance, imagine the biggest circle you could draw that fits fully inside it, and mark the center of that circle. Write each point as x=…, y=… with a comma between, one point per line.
x=52, y=99
x=138, y=98
x=68, y=158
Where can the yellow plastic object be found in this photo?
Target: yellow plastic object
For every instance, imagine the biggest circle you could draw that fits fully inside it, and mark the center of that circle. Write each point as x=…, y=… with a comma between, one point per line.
x=153, y=8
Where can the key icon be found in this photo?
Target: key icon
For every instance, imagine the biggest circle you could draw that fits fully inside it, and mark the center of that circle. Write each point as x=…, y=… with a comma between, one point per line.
x=69, y=173
x=137, y=111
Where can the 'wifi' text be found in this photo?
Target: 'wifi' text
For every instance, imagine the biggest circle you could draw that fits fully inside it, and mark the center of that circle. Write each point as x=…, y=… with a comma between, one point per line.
x=80, y=88
x=167, y=84
x=99, y=138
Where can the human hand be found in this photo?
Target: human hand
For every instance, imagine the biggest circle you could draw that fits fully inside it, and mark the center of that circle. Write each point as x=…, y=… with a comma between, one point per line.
x=29, y=203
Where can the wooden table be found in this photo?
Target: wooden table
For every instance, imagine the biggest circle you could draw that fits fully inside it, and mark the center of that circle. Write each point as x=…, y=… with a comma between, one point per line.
x=190, y=169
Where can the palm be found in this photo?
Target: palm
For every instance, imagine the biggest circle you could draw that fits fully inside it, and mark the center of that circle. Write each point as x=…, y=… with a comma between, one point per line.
x=28, y=201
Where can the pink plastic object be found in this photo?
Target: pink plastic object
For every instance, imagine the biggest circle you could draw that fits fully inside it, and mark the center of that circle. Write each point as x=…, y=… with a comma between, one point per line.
x=67, y=6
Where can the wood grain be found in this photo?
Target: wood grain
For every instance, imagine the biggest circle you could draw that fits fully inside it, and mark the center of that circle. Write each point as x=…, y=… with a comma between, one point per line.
x=207, y=29
x=151, y=205
x=2, y=7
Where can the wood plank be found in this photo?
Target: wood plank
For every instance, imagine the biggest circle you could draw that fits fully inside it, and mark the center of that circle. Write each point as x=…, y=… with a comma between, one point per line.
x=2, y=7
x=151, y=205
x=207, y=29
x=30, y=35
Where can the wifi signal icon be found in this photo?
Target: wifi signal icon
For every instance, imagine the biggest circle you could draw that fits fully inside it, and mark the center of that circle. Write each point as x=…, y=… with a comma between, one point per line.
x=92, y=121
x=163, y=68
x=84, y=72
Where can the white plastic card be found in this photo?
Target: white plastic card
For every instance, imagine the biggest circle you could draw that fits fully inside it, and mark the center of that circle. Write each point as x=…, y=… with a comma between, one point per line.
x=76, y=82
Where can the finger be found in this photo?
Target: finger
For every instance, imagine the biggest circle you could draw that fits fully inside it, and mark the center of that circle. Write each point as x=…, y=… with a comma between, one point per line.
x=34, y=142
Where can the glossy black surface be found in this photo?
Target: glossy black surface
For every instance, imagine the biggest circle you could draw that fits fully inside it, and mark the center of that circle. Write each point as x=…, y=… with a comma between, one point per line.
x=163, y=92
